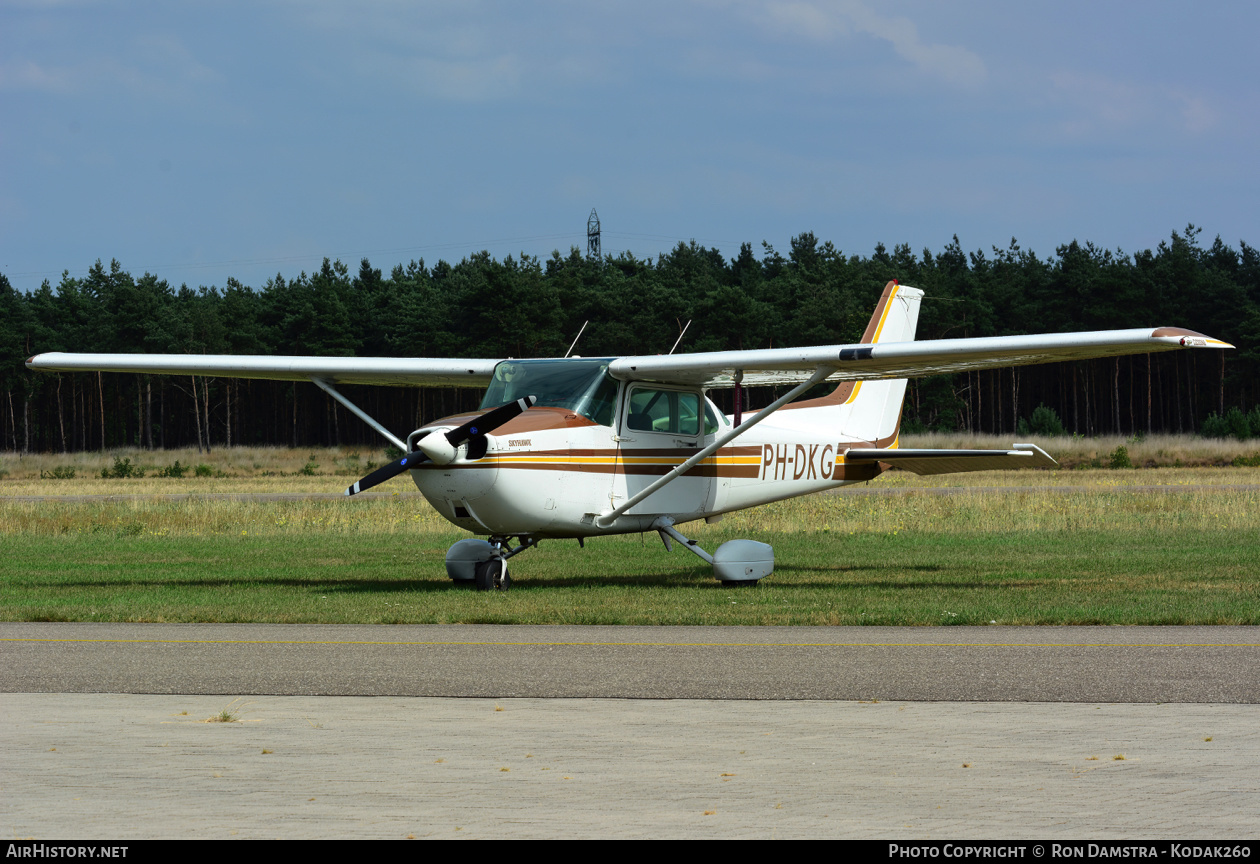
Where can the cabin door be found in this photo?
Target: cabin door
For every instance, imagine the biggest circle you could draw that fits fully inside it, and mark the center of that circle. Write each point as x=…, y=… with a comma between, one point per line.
x=659, y=428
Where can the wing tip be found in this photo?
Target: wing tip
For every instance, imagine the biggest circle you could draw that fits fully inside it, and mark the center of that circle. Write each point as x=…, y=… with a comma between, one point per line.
x=1187, y=338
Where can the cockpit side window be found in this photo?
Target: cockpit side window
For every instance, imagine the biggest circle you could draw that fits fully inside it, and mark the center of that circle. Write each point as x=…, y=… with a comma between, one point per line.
x=654, y=410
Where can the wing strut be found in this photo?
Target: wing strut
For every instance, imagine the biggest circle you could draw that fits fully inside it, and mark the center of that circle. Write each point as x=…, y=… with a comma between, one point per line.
x=360, y=413
x=820, y=374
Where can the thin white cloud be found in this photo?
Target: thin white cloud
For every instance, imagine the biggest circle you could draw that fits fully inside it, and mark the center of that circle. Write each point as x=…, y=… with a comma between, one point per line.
x=951, y=63
x=448, y=51
x=1196, y=114
x=1098, y=104
x=40, y=5
x=482, y=79
x=812, y=20
x=152, y=65
x=29, y=75
x=1097, y=101
x=828, y=20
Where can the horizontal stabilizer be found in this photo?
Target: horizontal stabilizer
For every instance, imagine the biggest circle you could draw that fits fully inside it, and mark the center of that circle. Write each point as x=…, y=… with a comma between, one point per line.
x=956, y=461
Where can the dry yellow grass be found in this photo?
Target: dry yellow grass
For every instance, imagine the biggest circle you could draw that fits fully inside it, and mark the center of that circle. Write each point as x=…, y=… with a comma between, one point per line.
x=141, y=508
x=239, y=469
x=204, y=517
x=1211, y=499
x=236, y=460
x=1034, y=510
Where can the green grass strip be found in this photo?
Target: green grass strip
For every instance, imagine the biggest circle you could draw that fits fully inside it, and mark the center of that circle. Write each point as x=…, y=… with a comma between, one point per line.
x=1123, y=575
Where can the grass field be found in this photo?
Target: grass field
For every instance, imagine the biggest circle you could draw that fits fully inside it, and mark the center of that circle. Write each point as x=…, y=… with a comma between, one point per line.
x=1029, y=553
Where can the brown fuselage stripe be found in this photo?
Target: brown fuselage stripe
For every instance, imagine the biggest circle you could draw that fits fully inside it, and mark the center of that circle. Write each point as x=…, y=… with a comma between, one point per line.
x=842, y=471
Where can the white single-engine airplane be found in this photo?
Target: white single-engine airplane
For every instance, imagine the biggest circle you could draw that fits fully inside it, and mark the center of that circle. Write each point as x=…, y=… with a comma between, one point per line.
x=579, y=447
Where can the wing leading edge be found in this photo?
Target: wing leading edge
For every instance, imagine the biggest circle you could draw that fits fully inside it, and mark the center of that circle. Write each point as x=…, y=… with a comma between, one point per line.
x=387, y=371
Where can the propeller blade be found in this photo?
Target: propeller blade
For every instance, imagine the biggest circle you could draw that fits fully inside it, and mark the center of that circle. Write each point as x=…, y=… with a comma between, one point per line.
x=489, y=421
x=393, y=469
x=441, y=448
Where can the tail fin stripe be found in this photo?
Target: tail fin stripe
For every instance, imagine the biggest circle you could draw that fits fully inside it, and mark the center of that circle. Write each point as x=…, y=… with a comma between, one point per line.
x=884, y=317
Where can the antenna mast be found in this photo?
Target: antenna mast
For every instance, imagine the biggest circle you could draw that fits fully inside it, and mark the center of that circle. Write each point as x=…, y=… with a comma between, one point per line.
x=592, y=236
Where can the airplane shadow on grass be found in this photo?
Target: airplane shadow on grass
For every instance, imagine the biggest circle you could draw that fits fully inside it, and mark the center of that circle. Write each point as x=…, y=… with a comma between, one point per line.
x=838, y=577
x=835, y=577
x=366, y=586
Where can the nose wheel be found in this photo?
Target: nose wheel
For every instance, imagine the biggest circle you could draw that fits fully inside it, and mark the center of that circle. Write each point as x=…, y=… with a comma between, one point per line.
x=492, y=575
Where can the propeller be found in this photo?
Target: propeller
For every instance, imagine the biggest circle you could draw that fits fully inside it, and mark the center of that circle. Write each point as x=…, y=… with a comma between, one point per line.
x=393, y=469
x=440, y=447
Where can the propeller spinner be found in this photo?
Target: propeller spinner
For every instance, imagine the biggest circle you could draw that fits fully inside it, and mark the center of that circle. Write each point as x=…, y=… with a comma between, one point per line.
x=440, y=447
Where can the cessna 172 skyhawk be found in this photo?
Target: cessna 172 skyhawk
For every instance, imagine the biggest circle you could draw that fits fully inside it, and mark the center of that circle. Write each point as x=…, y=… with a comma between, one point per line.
x=579, y=447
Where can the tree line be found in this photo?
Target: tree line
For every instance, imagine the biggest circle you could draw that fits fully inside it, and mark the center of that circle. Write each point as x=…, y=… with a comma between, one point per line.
x=530, y=307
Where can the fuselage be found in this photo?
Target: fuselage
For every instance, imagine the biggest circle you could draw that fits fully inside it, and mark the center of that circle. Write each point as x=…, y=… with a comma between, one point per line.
x=552, y=471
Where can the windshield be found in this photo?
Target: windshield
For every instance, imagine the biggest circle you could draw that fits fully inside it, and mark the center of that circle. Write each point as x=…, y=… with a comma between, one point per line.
x=582, y=386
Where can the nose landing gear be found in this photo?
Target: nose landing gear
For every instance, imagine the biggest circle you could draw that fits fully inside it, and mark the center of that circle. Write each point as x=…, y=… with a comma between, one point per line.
x=483, y=563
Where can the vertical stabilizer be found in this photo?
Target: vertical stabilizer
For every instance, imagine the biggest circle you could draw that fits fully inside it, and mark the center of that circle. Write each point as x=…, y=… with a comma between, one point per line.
x=874, y=407
x=896, y=315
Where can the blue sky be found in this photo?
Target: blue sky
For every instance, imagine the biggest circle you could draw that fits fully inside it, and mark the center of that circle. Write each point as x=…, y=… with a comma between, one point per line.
x=201, y=141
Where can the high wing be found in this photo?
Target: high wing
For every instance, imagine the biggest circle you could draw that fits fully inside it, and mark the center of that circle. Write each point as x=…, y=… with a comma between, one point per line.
x=713, y=369
x=888, y=351
x=396, y=372
x=901, y=359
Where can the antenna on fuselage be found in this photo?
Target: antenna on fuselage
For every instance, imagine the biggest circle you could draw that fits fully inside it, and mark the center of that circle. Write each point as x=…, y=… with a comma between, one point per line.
x=680, y=335
x=577, y=337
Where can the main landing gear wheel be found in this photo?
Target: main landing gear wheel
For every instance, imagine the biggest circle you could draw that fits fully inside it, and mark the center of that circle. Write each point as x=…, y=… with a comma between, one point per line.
x=492, y=575
x=736, y=562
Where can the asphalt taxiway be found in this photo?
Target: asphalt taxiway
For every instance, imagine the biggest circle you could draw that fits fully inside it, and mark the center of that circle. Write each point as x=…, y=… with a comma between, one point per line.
x=1044, y=664
x=1074, y=733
